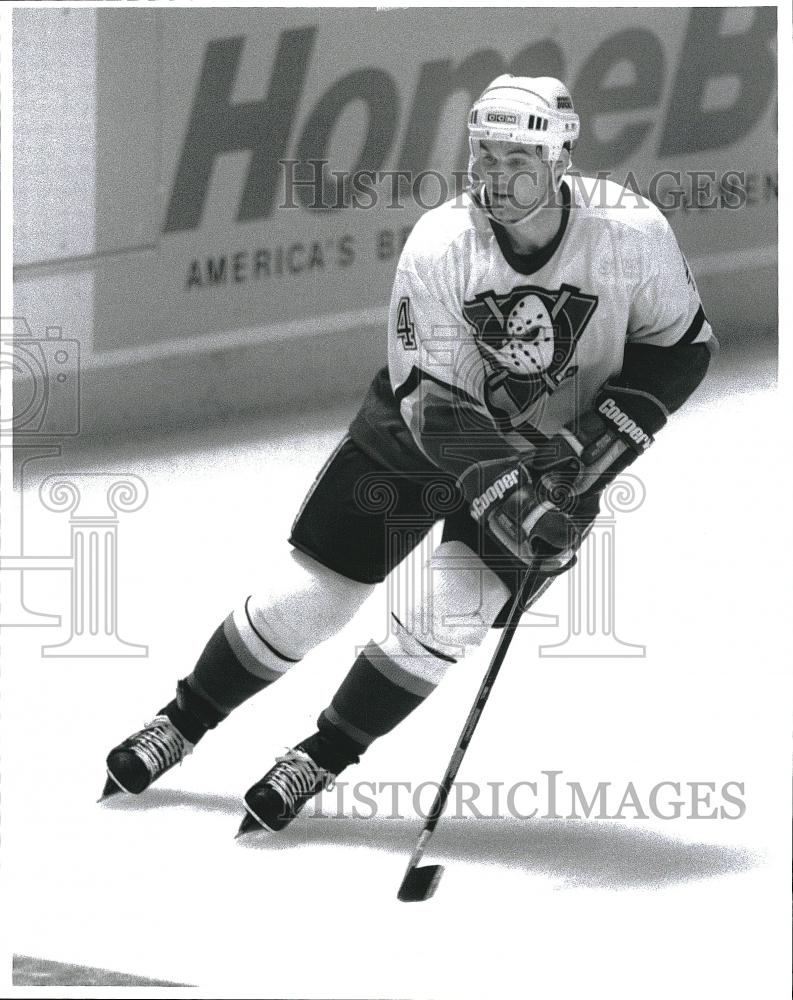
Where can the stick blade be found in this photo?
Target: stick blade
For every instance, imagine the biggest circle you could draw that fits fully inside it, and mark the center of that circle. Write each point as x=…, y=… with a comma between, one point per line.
x=420, y=883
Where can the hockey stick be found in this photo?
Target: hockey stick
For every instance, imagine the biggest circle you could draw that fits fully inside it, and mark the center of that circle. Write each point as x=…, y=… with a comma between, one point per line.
x=419, y=883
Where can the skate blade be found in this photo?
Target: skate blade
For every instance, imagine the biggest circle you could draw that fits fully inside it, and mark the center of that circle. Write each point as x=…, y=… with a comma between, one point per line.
x=251, y=823
x=112, y=787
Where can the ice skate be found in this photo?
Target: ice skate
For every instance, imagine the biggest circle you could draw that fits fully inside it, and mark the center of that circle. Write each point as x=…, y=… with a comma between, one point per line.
x=162, y=744
x=146, y=755
x=274, y=801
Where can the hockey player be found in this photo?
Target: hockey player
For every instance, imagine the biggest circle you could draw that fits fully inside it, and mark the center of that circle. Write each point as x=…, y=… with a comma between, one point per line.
x=542, y=329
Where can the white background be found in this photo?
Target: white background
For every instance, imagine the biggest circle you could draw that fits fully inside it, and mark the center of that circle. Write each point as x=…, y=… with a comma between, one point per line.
x=158, y=886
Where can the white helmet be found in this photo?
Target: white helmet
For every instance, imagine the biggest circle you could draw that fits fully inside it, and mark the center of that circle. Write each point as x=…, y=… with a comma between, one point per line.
x=535, y=111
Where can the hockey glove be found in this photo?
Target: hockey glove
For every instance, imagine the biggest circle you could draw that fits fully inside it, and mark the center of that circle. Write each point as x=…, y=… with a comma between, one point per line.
x=504, y=498
x=589, y=452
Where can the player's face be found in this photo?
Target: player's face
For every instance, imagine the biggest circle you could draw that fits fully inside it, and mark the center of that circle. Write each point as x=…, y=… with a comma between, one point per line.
x=516, y=178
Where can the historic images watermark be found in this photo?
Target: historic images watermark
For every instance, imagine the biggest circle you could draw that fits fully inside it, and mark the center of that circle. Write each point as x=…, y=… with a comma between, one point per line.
x=549, y=795
x=45, y=413
x=315, y=185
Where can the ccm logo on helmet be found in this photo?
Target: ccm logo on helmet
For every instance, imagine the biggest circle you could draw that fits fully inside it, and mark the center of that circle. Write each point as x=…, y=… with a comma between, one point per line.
x=494, y=492
x=625, y=424
x=502, y=118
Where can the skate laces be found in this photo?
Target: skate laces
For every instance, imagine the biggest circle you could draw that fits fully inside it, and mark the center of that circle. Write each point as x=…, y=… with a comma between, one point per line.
x=160, y=745
x=296, y=775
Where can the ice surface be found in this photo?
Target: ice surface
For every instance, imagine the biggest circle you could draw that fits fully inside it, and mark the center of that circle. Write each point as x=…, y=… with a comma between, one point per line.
x=625, y=907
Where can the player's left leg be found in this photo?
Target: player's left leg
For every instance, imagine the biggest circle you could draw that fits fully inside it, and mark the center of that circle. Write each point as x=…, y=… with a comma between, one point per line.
x=310, y=591
x=302, y=604
x=348, y=533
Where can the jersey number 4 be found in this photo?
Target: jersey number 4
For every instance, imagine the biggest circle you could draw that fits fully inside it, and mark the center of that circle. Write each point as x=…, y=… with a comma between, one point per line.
x=404, y=327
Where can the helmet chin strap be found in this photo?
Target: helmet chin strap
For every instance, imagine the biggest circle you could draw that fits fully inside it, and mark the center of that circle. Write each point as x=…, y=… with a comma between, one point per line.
x=479, y=195
x=524, y=220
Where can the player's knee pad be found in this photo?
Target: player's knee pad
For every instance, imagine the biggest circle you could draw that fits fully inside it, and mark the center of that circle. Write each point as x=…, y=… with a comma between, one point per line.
x=443, y=621
x=302, y=604
x=461, y=602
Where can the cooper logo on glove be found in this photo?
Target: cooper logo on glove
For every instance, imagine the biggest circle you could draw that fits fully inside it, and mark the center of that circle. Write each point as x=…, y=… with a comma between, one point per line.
x=626, y=425
x=494, y=492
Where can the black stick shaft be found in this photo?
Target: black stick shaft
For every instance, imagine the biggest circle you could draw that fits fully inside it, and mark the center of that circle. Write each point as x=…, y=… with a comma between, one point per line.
x=515, y=612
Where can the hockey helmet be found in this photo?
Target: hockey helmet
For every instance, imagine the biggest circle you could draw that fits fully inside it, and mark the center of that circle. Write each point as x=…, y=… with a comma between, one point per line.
x=535, y=111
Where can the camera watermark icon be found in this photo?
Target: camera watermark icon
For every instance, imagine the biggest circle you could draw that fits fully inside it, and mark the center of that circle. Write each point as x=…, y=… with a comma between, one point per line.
x=46, y=380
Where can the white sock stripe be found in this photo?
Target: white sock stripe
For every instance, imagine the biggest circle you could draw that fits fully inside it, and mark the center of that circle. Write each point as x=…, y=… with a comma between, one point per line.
x=358, y=735
x=198, y=688
x=254, y=654
x=417, y=672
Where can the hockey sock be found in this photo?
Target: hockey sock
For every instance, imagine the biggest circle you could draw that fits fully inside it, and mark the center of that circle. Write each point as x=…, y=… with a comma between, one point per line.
x=190, y=713
x=237, y=663
x=332, y=750
x=385, y=684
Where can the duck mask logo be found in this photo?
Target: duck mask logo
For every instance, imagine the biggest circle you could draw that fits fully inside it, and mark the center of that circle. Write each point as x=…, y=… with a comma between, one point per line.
x=528, y=338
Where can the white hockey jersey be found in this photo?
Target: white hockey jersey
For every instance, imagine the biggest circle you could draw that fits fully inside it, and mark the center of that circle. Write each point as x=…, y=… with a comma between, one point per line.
x=527, y=341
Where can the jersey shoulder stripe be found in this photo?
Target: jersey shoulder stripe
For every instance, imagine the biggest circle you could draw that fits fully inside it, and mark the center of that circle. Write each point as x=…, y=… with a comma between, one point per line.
x=696, y=325
x=418, y=375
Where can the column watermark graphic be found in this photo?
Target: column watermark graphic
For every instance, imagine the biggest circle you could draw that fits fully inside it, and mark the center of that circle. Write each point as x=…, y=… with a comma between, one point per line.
x=94, y=501
x=590, y=616
x=592, y=582
x=423, y=570
x=14, y=611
